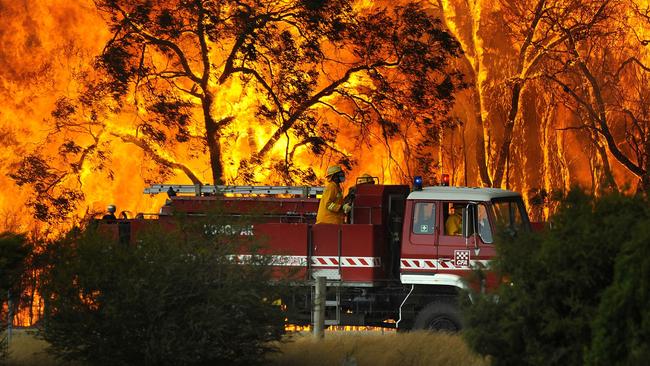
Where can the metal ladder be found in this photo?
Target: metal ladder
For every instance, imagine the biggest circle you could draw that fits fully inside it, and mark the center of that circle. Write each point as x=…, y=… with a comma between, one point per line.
x=336, y=304
x=199, y=189
x=332, y=303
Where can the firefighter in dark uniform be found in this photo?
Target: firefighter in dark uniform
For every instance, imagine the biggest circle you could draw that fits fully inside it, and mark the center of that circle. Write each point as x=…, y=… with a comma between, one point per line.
x=110, y=214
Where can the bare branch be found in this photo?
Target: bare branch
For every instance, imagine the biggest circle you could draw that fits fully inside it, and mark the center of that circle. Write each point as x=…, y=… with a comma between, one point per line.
x=162, y=42
x=631, y=60
x=264, y=84
x=326, y=91
x=601, y=114
x=157, y=157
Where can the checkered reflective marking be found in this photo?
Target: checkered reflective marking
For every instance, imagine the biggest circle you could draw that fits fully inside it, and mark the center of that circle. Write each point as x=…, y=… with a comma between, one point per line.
x=461, y=258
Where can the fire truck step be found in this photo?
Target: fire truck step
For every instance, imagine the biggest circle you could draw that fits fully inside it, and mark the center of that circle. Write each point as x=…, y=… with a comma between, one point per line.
x=332, y=303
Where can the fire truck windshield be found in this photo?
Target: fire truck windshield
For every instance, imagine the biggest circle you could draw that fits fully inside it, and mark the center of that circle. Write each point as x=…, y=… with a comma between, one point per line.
x=510, y=214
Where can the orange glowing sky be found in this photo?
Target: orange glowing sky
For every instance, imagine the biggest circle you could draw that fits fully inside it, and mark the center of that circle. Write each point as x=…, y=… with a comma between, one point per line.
x=47, y=43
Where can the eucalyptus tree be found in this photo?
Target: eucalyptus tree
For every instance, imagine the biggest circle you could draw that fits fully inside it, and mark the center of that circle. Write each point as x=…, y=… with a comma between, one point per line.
x=310, y=68
x=604, y=78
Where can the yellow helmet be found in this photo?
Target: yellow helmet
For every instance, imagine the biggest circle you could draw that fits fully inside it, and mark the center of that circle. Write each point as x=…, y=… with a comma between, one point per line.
x=365, y=178
x=333, y=170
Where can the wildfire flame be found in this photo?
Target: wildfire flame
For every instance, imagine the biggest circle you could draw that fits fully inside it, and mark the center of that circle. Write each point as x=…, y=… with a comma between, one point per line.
x=48, y=45
x=53, y=42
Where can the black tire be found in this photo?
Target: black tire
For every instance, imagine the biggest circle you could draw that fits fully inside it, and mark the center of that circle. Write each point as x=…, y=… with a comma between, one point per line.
x=439, y=316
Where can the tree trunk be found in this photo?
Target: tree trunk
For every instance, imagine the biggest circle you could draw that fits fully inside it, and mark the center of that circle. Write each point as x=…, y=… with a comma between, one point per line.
x=464, y=141
x=645, y=179
x=481, y=154
x=565, y=172
x=473, y=65
x=507, y=135
x=603, y=179
x=598, y=115
x=607, y=179
x=441, y=137
x=546, y=155
x=213, y=134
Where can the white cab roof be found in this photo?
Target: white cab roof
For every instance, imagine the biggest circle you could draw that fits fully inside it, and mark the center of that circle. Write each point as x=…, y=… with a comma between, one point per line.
x=461, y=194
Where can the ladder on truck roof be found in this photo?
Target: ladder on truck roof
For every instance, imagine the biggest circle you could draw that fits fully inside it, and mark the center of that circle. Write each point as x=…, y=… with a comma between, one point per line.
x=199, y=190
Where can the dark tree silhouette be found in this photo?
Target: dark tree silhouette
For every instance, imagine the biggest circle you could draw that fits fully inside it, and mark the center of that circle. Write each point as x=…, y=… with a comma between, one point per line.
x=303, y=57
x=311, y=67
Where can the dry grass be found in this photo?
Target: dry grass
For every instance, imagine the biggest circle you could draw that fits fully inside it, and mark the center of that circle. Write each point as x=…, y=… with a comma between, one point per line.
x=27, y=350
x=300, y=349
x=376, y=349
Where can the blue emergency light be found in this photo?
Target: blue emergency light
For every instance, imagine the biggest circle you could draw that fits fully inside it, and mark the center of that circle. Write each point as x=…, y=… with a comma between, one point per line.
x=417, y=183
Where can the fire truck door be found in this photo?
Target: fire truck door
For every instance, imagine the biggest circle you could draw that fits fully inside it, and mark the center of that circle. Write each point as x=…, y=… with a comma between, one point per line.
x=454, y=249
x=479, y=231
x=458, y=253
x=419, y=238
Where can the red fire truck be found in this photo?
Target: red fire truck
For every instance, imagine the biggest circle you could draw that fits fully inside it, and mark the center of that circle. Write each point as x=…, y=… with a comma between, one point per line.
x=394, y=264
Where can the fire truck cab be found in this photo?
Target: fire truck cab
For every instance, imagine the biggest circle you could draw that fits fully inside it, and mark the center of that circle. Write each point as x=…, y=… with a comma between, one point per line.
x=438, y=254
x=400, y=261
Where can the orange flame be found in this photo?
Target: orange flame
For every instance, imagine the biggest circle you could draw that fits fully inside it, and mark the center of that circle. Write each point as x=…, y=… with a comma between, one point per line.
x=48, y=45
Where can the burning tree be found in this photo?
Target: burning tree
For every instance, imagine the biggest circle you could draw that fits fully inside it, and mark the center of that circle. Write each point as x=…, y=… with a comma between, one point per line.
x=521, y=75
x=604, y=80
x=308, y=69
x=502, y=72
x=273, y=92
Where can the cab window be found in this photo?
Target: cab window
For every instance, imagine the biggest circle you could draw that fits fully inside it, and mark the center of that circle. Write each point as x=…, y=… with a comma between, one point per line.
x=453, y=215
x=424, y=218
x=484, y=229
x=510, y=214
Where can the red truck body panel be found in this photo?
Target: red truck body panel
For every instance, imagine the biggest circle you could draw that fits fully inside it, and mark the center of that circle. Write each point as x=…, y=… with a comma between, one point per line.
x=355, y=253
x=383, y=267
x=273, y=209
x=361, y=252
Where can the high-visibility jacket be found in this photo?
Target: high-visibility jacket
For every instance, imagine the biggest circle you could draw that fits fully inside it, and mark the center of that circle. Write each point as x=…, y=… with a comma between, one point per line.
x=454, y=224
x=329, y=208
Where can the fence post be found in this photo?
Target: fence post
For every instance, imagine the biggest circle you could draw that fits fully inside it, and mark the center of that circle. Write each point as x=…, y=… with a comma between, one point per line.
x=319, y=308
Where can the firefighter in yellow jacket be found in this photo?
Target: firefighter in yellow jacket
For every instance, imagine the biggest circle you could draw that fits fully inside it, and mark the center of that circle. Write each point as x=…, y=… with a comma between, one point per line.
x=331, y=209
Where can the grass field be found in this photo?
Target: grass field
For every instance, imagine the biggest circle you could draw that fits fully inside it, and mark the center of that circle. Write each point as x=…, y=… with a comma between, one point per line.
x=27, y=350
x=337, y=348
x=376, y=349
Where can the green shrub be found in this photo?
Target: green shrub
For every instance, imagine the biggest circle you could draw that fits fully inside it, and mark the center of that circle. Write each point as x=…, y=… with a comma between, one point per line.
x=14, y=250
x=175, y=297
x=622, y=327
x=543, y=315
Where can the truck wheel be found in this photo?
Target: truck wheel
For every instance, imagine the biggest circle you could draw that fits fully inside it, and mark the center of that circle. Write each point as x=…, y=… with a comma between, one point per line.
x=438, y=316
